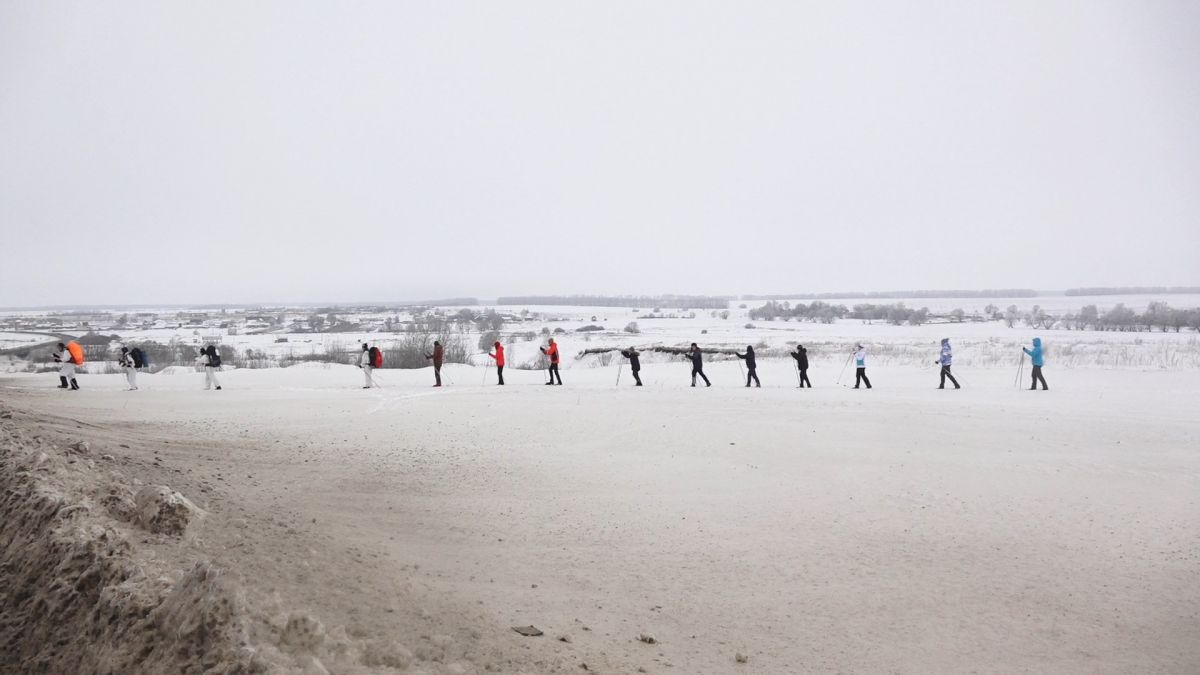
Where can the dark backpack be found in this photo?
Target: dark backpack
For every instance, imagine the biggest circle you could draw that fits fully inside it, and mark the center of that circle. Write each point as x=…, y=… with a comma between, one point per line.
x=139, y=359
x=376, y=357
x=214, y=357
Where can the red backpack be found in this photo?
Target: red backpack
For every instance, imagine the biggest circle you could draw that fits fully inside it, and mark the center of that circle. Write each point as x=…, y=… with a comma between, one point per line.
x=376, y=357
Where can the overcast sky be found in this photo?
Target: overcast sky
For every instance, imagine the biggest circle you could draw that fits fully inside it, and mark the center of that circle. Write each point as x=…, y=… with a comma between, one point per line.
x=208, y=152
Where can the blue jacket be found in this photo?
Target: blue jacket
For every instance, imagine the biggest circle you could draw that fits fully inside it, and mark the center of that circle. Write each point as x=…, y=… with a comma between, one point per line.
x=945, y=358
x=1035, y=354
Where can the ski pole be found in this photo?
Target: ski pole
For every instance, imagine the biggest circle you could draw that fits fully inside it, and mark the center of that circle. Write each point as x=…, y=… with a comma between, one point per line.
x=844, y=365
x=740, y=369
x=619, y=367
x=485, y=369
x=796, y=365
x=1020, y=367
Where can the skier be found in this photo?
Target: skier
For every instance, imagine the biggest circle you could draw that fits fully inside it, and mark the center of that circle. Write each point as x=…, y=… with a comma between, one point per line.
x=126, y=363
x=67, y=357
x=211, y=360
x=944, y=360
x=499, y=357
x=635, y=364
x=1037, y=357
x=551, y=350
x=750, y=366
x=437, y=355
x=364, y=362
x=860, y=367
x=801, y=356
x=697, y=358
x=62, y=358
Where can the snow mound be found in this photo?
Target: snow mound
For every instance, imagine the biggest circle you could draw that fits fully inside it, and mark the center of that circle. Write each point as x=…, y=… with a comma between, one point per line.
x=164, y=511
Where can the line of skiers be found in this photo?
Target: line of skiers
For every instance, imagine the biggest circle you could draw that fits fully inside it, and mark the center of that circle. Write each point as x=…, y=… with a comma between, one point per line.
x=70, y=356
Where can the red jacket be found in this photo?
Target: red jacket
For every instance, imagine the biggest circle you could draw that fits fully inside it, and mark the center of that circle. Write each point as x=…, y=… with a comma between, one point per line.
x=499, y=356
x=552, y=352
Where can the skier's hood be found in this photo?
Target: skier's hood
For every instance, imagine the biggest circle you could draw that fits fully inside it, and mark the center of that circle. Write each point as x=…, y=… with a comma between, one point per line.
x=945, y=341
x=1037, y=342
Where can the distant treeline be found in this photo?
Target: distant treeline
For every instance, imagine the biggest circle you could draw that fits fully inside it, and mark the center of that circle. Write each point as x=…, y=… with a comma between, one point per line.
x=894, y=295
x=1134, y=290
x=681, y=301
x=821, y=312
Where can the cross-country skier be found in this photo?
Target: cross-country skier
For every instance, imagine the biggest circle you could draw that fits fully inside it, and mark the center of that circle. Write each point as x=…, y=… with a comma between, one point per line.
x=697, y=358
x=551, y=350
x=860, y=367
x=1038, y=358
x=211, y=360
x=437, y=355
x=801, y=356
x=66, y=372
x=364, y=362
x=126, y=363
x=751, y=366
x=944, y=360
x=635, y=363
x=60, y=358
x=498, y=355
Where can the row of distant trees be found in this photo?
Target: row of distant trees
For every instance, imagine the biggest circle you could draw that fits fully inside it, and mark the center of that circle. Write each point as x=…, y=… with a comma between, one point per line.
x=681, y=301
x=1158, y=315
x=823, y=312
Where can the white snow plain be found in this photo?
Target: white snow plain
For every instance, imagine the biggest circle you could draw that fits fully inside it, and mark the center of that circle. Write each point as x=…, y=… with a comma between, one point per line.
x=901, y=529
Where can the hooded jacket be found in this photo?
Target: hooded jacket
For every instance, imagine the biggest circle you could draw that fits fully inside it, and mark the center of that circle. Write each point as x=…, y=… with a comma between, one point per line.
x=1035, y=354
x=499, y=355
x=946, y=356
x=697, y=358
x=438, y=355
x=801, y=356
x=632, y=354
x=860, y=357
x=749, y=356
x=552, y=352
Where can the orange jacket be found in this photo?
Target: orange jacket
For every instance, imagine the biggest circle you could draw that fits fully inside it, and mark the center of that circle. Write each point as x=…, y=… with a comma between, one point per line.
x=499, y=356
x=552, y=352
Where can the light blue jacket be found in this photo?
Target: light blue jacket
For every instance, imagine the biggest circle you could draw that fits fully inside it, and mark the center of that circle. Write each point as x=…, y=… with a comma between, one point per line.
x=1035, y=354
x=945, y=358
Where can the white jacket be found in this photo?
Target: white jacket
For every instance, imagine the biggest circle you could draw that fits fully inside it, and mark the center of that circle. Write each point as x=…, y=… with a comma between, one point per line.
x=860, y=357
x=365, y=359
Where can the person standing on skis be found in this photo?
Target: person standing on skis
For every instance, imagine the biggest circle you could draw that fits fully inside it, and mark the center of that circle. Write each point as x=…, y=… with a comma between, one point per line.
x=801, y=356
x=551, y=350
x=498, y=355
x=860, y=367
x=697, y=358
x=127, y=364
x=944, y=361
x=1038, y=358
x=364, y=362
x=210, y=358
x=60, y=355
x=437, y=356
x=751, y=365
x=635, y=364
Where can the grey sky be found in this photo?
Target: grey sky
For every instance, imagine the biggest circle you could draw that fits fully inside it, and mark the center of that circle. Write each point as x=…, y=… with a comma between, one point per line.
x=237, y=152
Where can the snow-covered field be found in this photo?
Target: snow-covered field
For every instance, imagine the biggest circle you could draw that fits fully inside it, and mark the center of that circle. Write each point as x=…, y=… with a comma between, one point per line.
x=901, y=529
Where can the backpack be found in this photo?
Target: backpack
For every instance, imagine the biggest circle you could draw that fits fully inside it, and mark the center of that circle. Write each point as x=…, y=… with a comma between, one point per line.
x=214, y=357
x=139, y=359
x=376, y=357
x=76, y=353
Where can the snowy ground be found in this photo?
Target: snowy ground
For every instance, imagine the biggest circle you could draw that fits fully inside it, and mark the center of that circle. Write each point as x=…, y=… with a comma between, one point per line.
x=901, y=529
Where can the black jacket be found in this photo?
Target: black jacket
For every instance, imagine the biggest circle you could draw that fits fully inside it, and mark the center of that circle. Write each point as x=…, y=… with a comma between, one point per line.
x=634, y=364
x=697, y=358
x=801, y=357
x=749, y=356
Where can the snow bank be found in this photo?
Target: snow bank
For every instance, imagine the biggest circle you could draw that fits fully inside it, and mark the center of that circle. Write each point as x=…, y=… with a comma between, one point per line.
x=76, y=595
